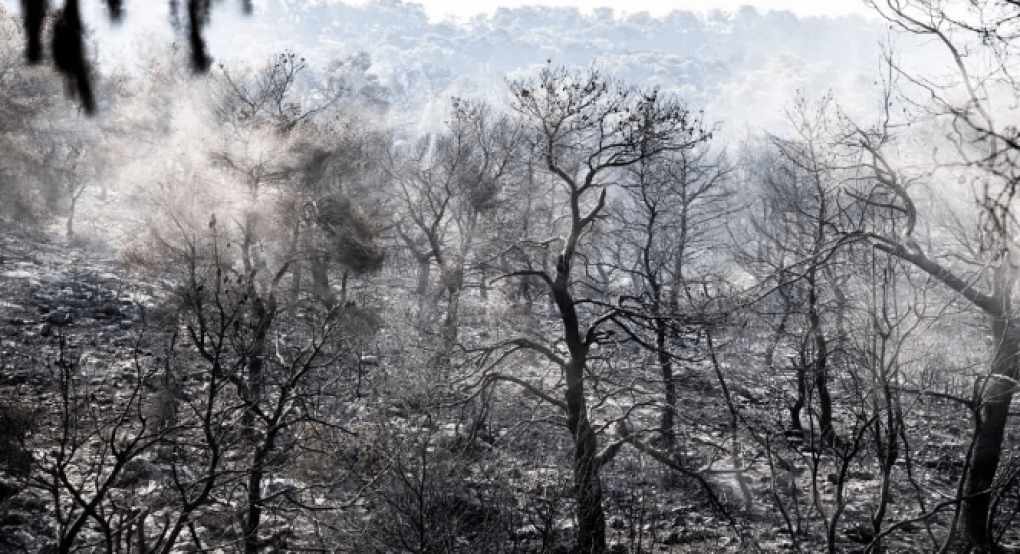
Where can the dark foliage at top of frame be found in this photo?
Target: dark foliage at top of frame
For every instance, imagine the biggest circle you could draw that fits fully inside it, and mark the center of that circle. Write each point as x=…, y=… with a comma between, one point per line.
x=68, y=41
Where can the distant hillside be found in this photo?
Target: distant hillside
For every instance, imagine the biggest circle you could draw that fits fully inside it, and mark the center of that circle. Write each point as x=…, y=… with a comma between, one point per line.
x=743, y=68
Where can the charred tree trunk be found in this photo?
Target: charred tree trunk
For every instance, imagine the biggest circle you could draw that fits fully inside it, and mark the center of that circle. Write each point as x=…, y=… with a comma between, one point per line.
x=296, y=240
x=424, y=273
x=453, y=280
x=483, y=284
x=253, y=516
x=888, y=450
x=591, y=531
x=264, y=312
x=320, y=281
x=994, y=397
x=802, y=390
x=667, y=425
x=141, y=533
x=820, y=362
x=821, y=376
x=993, y=394
x=76, y=193
x=423, y=256
x=70, y=218
x=344, y=280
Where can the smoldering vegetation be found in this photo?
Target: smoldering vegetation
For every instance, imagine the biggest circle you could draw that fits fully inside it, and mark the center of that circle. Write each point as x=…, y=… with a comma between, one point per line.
x=296, y=305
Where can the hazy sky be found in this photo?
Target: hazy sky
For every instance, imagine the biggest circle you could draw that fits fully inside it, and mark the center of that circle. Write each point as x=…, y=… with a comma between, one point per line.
x=465, y=9
x=439, y=10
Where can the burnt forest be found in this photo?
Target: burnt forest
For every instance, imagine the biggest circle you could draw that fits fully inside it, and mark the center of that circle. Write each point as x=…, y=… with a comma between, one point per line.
x=306, y=277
